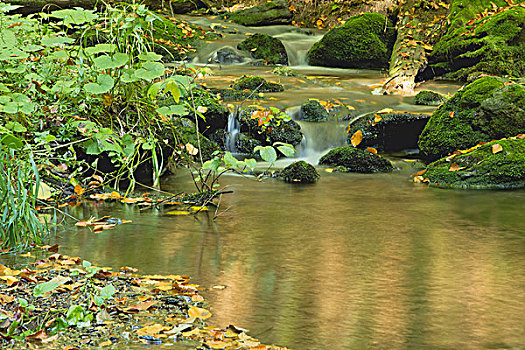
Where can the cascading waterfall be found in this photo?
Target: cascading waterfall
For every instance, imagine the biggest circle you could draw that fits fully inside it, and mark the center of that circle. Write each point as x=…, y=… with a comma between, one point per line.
x=232, y=132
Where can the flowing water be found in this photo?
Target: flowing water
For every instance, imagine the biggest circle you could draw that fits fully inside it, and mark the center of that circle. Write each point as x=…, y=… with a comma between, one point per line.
x=352, y=262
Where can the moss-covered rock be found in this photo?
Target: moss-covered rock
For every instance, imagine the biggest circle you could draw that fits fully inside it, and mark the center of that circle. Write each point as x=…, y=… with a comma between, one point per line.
x=245, y=144
x=389, y=132
x=263, y=46
x=270, y=13
x=314, y=111
x=279, y=128
x=256, y=83
x=430, y=98
x=485, y=167
x=186, y=134
x=236, y=95
x=299, y=172
x=489, y=108
x=285, y=72
x=364, y=41
x=356, y=160
x=216, y=114
x=492, y=44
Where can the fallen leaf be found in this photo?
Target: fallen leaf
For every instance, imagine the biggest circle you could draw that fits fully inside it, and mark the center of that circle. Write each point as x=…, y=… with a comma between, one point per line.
x=377, y=119
x=371, y=150
x=140, y=306
x=198, y=312
x=451, y=114
x=6, y=299
x=455, y=167
x=496, y=148
x=356, y=138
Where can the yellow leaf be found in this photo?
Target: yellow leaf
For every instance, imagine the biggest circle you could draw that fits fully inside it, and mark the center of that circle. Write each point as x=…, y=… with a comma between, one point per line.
x=191, y=149
x=455, y=167
x=254, y=49
x=178, y=212
x=356, y=138
x=371, y=150
x=496, y=148
x=79, y=190
x=377, y=119
x=105, y=343
x=202, y=109
x=385, y=110
x=198, y=312
x=451, y=114
x=44, y=191
x=194, y=331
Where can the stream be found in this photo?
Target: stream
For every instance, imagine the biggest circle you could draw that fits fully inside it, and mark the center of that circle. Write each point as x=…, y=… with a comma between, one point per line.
x=356, y=261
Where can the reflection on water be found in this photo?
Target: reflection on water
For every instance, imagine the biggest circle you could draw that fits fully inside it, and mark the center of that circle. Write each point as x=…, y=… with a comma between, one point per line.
x=353, y=262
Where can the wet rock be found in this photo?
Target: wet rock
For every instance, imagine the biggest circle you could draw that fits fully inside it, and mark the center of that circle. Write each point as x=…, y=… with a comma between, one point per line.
x=236, y=95
x=496, y=165
x=256, y=83
x=492, y=44
x=299, y=172
x=263, y=46
x=280, y=128
x=314, y=111
x=389, y=132
x=245, y=144
x=270, y=13
x=356, y=160
x=285, y=72
x=364, y=41
x=227, y=55
x=216, y=114
x=187, y=134
x=430, y=98
x=178, y=7
x=490, y=108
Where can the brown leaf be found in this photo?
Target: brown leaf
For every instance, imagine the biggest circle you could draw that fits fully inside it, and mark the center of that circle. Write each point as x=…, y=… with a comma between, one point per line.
x=199, y=312
x=37, y=336
x=6, y=299
x=496, y=148
x=140, y=306
x=356, y=138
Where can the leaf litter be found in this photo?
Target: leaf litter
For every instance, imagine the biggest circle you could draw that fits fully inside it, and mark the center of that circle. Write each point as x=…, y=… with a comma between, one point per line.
x=67, y=303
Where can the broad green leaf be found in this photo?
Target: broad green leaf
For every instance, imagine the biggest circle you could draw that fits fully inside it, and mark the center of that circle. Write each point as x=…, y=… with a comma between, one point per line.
x=154, y=90
x=75, y=16
x=128, y=145
x=56, y=40
x=3, y=88
x=229, y=160
x=104, y=83
x=173, y=88
x=46, y=287
x=250, y=163
x=267, y=153
x=100, y=48
x=108, y=291
x=150, y=70
x=111, y=62
x=172, y=109
x=288, y=150
x=213, y=164
x=11, y=141
x=149, y=56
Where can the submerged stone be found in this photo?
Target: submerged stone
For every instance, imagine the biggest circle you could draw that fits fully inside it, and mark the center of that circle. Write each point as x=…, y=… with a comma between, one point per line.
x=364, y=41
x=256, y=83
x=430, y=98
x=495, y=165
x=299, y=172
x=490, y=108
x=270, y=13
x=389, y=132
x=356, y=160
x=265, y=47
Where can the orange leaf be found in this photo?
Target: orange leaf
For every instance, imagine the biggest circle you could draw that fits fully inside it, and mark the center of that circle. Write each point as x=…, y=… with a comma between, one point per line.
x=198, y=312
x=454, y=167
x=377, y=119
x=496, y=148
x=371, y=150
x=419, y=173
x=451, y=114
x=79, y=190
x=140, y=306
x=356, y=138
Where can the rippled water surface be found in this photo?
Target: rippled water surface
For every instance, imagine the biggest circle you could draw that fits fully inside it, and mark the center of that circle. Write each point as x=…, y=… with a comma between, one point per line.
x=353, y=262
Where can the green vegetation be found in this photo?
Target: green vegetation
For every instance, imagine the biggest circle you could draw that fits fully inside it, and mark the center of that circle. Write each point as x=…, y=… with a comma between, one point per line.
x=489, y=108
x=355, y=160
x=364, y=41
x=256, y=84
x=496, y=165
x=269, y=13
x=265, y=47
x=430, y=98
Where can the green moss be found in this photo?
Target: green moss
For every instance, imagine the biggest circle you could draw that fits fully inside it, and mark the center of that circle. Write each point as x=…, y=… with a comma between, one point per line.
x=278, y=129
x=487, y=109
x=285, y=72
x=216, y=115
x=245, y=144
x=356, y=160
x=429, y=98
x=299, y=172
x=236, y=95
x=481, y=168
x=493, y=45
x=313, y=111
x=256, y=83
x=186, y=134
x=364, y=41
x=270, y=13
x=263, y=46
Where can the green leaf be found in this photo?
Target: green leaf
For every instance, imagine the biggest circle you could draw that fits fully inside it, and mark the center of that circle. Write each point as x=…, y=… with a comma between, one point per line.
x=149, y=56
x=230, y=161
x=267, y=153
x=108, y=291
x=250, y=163
x=288, y=150
x=173, y=88
x=104, y=83
x=56, y=40
x=75, y=16
x=150, y=70
x=172, y=109
x=213, y=164
x=111, y=62
x=11, y=141
x=3, y=88
x=46, y=287
x=100, y=48
x=154, y=90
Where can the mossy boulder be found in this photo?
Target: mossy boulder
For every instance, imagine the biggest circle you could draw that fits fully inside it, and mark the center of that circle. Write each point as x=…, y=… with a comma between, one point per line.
x=364, y=41
x=278, y=129
x=314, y=111
x=236, y=95
x=496, y=165
x=245, y=144
x=216, y=114
x=430, y=98
x=299, y=172
x=263, y=46
x=492, y=44
x=256, y=83
x=356, y=160
x=389, y=132
x=490, y=108
x=285, y=72
x=270, y=13
x=187, y=134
